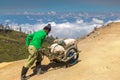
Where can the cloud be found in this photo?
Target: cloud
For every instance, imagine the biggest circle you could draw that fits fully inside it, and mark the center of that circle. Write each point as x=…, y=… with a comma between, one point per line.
x=79, y=27
x=110, y=21
x=62, y=30
x=79, y=21
x=98, y=21
x=7, y=21
x=52, y=13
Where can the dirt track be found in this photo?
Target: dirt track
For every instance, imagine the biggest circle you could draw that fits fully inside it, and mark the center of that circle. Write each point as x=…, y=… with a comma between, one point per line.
x=99, y=60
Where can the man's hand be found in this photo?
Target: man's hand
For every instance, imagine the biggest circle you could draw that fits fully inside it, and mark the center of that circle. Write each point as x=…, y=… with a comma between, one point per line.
x=42, y=50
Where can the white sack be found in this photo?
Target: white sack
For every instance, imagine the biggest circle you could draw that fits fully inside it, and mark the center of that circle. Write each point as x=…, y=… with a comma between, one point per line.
x=55, y=48
x=69, y=41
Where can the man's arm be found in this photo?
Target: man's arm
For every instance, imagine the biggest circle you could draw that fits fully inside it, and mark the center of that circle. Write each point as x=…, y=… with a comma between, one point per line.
x=28, y=39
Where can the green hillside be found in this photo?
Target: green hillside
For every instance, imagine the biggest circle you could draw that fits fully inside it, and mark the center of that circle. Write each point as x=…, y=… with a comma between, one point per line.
x=12, y=46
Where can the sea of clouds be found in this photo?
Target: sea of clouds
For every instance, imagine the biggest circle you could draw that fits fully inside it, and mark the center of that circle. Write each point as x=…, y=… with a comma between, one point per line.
x=79, y=27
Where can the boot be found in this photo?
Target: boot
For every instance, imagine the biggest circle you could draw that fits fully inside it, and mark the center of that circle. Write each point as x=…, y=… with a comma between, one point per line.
x=23, y=73
x=38, y=69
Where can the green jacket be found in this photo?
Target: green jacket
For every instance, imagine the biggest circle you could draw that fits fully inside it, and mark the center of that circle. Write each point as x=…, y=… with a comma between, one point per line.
x=36, y=39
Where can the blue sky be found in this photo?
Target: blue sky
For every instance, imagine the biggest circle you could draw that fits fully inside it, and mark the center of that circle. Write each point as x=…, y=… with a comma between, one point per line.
x=91, y=13
x=16, y=6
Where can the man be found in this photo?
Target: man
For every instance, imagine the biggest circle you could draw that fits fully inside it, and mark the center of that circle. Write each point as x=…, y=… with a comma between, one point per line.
x=34, y=42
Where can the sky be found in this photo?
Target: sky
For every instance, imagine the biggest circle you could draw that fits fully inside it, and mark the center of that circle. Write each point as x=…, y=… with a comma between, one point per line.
x=20, y=6
x=34, y=14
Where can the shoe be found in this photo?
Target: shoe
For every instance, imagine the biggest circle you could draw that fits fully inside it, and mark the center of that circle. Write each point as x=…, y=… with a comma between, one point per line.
x=40, y=71
x=23, y=73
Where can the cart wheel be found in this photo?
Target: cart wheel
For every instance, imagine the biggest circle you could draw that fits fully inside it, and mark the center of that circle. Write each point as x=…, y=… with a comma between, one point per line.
x=74, y=59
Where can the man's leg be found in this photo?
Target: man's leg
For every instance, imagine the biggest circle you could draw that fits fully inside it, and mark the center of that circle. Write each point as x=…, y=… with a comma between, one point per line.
x=30, y=61
x=38, y=69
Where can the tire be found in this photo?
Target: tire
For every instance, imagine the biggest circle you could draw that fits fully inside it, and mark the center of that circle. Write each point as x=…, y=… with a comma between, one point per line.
x=72, y=51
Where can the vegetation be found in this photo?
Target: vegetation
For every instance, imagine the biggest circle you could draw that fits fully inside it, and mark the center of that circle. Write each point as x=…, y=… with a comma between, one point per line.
x=12, y=44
